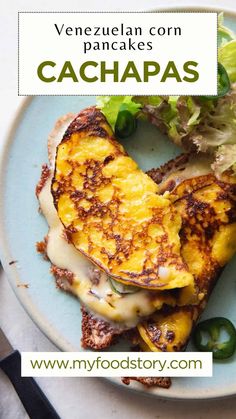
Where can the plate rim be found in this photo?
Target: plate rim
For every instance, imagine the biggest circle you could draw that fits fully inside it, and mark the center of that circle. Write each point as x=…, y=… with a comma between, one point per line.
x=12, y=272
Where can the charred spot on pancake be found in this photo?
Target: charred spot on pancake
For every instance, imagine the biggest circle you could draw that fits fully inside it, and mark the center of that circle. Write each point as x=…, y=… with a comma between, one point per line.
x=177, y=163
x=97, y=333
x=164, y=382
x=61, y=274
x=45, y=173
x=41, y=247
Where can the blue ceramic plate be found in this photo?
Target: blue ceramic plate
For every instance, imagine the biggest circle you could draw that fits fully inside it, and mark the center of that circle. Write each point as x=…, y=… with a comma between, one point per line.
x=56, y=313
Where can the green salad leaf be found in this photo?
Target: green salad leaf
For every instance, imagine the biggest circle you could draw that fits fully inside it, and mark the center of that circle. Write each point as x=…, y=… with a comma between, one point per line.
x=175, y=115
x=111, y=106
x=225, y=159
x=217, y=126
x=204, y=125
x=224, y=34
x=227, y=48
x=227, y=57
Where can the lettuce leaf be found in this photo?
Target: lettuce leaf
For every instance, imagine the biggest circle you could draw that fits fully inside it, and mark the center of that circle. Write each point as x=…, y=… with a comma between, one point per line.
x=227, y=57
x=175, y=115
x=224, y=34
x=217, y=126
x=227, y=48
x=200, y=125
x=111, y=105
x=225, y=159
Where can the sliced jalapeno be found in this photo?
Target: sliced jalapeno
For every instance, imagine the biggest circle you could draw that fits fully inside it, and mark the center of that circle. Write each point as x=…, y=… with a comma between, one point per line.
x=125, y=124
x=223, y=84
x=212, y=329
x=121, y=288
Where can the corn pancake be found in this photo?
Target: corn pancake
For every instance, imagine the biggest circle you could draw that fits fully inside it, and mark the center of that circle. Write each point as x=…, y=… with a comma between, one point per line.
x=207, y=207
x=112, y=211
x=76, y=274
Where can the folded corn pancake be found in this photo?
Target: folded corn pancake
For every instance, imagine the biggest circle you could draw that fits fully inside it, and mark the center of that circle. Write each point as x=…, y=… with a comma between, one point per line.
x=111, y=210
x=207, y=206
x=76, y=274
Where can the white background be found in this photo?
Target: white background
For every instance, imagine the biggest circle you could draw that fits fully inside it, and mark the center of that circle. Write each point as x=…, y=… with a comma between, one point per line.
x=77, y=398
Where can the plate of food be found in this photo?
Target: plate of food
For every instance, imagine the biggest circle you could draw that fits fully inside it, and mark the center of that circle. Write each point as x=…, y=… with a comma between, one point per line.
x=118, y=223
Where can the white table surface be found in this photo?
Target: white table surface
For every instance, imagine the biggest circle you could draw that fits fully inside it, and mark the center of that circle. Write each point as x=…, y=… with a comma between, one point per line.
x=76, y=398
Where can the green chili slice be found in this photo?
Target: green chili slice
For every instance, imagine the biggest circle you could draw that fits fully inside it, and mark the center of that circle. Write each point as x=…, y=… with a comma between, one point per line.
x=121, y=288
x=212, y=329
x=223, y=84
x=125, y=124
